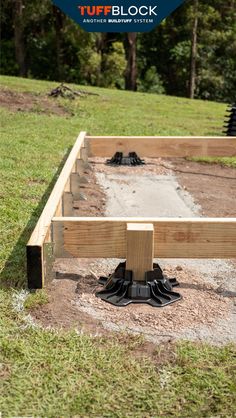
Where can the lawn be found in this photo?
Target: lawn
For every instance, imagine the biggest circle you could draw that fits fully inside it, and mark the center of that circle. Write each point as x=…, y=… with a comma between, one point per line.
x=55, y=373
x=50, y=374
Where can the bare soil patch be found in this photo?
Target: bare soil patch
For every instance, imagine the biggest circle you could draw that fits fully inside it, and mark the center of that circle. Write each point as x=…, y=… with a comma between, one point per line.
x=61, y=310
x=212, y=186
x=73, y=304
x=201, y=303
x=30, y=102
x=93, y=198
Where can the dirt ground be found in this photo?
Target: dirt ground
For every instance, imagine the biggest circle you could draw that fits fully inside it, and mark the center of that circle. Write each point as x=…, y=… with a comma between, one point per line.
x=73, y=303
x=212, y=186
x=29, y=102
x=93, y=197
x=206, y=311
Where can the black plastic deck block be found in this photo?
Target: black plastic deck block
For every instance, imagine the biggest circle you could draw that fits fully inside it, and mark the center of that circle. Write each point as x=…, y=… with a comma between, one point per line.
x=156, y=289
x=132, y=159
x=230, y=121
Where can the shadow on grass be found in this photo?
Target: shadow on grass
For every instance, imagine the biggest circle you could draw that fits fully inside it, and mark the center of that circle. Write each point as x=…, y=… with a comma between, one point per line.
x=14, y=272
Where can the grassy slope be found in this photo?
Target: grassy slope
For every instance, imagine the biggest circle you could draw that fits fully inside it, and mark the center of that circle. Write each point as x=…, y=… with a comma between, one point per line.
x=48, y=373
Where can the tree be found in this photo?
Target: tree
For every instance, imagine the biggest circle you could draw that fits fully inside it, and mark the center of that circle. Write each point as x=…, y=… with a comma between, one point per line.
x=19, y=36
x=131, y=68
x=192, y=53
x=58, y=25
x=192, y=82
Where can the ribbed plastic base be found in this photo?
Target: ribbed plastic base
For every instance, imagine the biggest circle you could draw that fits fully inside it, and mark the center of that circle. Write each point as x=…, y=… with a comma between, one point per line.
x=230, y=122
x=121, y=290
x=130, y=160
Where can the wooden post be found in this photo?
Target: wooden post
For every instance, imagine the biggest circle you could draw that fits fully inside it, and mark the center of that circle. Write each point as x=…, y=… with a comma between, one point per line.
x=140, y=249
x=67, y=204
x=80, y=166
x=84, y=154
x=75, y=180
x=57, y=232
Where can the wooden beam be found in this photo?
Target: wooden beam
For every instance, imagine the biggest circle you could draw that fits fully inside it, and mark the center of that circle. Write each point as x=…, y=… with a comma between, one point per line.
x=140, y=249
x=169, y=146
x=44, y=221
x=173, y=237
x=41, y=233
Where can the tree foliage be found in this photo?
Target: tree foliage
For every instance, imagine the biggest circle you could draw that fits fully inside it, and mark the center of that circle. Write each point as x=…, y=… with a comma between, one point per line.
x=39, y=41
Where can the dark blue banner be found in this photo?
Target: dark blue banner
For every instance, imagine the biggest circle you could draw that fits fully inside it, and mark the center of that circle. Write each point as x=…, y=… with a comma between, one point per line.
x=118, y=15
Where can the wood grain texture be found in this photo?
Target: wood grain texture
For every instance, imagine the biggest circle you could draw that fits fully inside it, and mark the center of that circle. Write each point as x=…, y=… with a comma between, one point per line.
x=42, y=233
x=140, y=249
x=44, y=222
x=173, y=238
x=67, y=204
x=75, y=185
x=154, y=147
x=80, y=166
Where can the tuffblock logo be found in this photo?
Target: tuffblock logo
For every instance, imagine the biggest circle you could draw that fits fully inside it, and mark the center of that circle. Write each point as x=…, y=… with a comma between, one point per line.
x=118, y=16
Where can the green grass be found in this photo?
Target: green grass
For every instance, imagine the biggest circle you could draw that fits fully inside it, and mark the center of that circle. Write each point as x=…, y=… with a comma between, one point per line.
x=229, y=162
x=49, y=373
x=116, y=112
x=36, y=299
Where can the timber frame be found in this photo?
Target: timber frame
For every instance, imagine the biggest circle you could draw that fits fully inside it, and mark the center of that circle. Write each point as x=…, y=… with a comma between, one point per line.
x=58, y=234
